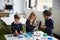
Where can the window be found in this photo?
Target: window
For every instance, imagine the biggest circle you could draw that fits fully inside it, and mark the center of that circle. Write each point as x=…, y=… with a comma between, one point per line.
x=40, y=5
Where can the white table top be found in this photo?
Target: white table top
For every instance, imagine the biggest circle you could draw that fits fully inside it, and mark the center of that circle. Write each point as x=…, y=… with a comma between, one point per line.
x=9, y=20
x=16, y=38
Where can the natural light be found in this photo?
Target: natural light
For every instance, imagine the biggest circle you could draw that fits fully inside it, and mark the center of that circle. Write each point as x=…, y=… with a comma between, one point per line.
x=41, y=5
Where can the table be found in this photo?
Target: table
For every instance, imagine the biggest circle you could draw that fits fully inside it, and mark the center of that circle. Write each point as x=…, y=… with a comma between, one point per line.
x=16, y=38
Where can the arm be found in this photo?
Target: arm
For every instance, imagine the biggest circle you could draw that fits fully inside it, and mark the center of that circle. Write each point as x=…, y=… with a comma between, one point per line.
x=48, y=26
x=28, y=24
x=21, y=28
x=51, y=25
x=14, y=31
x=34, y=24
x=12, y=28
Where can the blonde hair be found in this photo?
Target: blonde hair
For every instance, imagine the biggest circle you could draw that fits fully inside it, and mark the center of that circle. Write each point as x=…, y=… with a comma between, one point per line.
x=32, y=14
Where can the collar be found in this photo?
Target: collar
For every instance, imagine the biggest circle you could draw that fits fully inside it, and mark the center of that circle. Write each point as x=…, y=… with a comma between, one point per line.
x=49, y=18
x=15, y=22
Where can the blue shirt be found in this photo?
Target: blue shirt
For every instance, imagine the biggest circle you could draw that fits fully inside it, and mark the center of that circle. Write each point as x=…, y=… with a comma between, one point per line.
x=17, y=27
x=49, y=26
x=29, y=28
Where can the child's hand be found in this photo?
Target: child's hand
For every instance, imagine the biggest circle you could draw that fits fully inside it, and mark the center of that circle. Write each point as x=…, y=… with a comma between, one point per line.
x=31, y=20
x=43, y=27
x=35, y=24
x=16, y=33
x=21, y=32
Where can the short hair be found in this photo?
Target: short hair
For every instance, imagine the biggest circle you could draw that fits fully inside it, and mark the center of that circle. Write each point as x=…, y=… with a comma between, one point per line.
x=47, y=13
x=16, y=16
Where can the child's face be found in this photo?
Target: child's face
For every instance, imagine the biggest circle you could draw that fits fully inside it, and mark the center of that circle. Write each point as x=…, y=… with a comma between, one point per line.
x=46, y=17
x=17, y=20
x=34, y=17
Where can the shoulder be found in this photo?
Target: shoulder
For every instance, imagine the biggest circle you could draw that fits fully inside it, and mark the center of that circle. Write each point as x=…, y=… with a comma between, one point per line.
x=20, y=23
x=12, y=23
x=27, y=19
x=51, y=20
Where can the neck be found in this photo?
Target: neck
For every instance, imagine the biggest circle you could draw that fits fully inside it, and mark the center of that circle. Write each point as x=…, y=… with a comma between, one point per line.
x=47, y=18
x=16, y=22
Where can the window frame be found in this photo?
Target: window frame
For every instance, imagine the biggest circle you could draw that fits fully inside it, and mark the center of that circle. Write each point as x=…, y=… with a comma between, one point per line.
x=36, y=2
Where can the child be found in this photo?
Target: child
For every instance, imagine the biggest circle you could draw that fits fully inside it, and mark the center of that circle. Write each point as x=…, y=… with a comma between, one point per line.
x=31, y=23
x=16, y=27
x=49, y=25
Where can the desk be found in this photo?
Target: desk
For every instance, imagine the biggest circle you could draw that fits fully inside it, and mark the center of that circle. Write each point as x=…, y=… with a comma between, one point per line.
x=16, y=38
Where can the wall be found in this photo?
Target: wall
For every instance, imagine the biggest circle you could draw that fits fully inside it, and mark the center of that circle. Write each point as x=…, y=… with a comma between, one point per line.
x=2, y=5
x=18, y=6
x=56, y=16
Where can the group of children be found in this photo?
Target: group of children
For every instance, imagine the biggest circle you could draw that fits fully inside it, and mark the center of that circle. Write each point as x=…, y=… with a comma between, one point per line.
x=31, y=23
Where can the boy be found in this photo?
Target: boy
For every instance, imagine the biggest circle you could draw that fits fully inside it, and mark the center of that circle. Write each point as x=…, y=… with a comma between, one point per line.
x=49, y=25
x=16, y=27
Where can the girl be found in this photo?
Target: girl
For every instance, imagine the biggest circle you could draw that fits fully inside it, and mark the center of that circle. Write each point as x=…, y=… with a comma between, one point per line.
x=31, y=23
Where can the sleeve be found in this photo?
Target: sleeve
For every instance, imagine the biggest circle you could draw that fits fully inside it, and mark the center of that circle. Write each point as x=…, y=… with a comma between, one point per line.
x=21, y=28
x=12, y=27
x=34, y=27
x=51, y=25
x=28, y=24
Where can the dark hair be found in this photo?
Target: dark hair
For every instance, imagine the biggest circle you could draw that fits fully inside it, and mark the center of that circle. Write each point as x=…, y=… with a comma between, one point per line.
x=47, y=13
x=16, y=16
